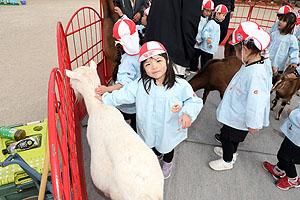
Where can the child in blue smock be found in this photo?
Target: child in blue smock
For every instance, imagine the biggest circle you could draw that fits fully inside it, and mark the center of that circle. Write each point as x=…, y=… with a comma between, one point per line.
x=280, y=12
x=211, y=34
x=128, y=69
x=166, y=105
x=284, y=44
x=289, y=151
x=207, y=8
x=245, y=105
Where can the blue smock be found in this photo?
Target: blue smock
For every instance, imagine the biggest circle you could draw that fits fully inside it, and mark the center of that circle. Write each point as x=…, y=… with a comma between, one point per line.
x=211, y=30
x=158, y=112
x=202, y=23
x=246, y=101
x=129, y=70
x=282, y=47
x=291, y=126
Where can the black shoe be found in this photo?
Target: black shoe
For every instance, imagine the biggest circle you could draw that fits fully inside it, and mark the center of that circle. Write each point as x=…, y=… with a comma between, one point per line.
x=218, y=137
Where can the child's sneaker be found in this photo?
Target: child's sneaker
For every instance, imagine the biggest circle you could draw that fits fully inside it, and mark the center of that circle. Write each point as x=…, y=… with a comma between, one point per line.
x=220, y=164
x=219, y=152
x=285, y=183
x=166, y=169
x=274, y=170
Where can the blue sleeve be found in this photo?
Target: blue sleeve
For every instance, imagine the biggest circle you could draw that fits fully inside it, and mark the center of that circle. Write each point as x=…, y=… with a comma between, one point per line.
x=126, y=95
x=257, y=100
x=200, y=28
x=207, y=30
x=298, y=70
x=273, y=28
x=192, y=104
x=126, y=72
x=293, y=50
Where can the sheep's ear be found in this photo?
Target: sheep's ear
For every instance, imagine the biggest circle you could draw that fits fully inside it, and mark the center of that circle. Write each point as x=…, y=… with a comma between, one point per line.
x=93, y=64
x=71, y=74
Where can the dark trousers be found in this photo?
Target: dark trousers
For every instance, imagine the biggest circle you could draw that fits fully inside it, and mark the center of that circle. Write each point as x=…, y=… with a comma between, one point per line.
x=194, y=63
x=230, y=139
x=168, y=157
x=132, y=118
x=205, y=57
x=224, y=27
x=287, y=153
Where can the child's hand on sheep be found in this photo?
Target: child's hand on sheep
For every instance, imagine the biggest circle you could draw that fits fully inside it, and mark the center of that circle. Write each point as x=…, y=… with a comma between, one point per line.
x=185, y=120
x=101, y=89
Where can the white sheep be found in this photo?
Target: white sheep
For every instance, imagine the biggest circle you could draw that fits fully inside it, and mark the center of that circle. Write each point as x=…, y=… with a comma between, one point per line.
x=123, y=167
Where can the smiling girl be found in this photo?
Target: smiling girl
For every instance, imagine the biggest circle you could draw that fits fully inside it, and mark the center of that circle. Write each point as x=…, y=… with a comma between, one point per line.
x=165, y=104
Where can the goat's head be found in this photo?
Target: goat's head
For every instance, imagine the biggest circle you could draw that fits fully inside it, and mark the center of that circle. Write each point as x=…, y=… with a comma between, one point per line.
x=84, y=79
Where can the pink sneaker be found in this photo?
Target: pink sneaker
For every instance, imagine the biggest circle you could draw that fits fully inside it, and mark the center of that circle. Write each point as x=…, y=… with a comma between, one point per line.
x=285, y=183
x=275, y=172
x=166, y=169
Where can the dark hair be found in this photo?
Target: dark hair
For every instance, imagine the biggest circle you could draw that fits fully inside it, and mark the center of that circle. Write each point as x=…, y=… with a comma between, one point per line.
x=250, y=45
x=118, y=61
x=170, y=77
x=290, y=19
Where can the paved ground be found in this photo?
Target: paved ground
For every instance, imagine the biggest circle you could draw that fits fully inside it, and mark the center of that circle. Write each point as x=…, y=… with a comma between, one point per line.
x=27, y=55
x=192, y=178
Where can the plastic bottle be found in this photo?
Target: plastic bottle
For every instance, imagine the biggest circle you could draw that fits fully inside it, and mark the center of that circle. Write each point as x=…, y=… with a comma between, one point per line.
x=12, y=133
x=21, y=145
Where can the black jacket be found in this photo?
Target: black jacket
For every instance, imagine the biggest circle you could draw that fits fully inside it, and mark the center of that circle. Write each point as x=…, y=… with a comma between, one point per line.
x=228, y=3
x=125, y=6
x=174, y=23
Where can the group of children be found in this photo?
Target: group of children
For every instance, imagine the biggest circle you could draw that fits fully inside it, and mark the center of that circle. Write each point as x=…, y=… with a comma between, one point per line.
x=162, y=106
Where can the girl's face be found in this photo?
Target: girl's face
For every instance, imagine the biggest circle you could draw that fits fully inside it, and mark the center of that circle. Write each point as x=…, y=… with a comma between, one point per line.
x=281, y=25
x=206, y=12
x=156, y=68
x=144, y=20
x=220, y=16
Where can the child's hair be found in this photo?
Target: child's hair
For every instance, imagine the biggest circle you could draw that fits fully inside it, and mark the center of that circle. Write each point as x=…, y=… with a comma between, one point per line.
x=290, y=19
x=250, y=45
x=170, y=77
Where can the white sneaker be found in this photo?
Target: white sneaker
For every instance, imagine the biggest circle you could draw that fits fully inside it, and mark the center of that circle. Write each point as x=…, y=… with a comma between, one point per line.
x=219, y=152
x=220, y=164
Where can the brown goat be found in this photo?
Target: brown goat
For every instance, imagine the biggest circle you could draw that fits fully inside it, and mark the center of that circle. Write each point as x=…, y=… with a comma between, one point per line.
x=285, y=89
x=110, y=18
x=216, y=75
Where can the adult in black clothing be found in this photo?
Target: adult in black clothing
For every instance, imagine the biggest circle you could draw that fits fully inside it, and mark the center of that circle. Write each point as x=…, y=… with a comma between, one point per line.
x=224, y=25
x=133, y=9
x=174, y=23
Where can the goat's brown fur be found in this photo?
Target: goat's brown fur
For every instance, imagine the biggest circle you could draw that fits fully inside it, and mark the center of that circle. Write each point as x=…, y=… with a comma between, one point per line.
x=285, y=89
x=216, y=75
x=228, y=48
x=110, y=18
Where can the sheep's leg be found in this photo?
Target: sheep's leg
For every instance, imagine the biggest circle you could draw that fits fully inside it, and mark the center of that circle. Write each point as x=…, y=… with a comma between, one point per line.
x=283, y=104
x=205, y=94
x=274, y=102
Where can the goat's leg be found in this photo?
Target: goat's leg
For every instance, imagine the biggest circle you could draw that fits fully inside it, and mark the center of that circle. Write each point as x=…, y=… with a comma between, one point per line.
x=274, y=102
x=205, y=94
x=283, y=104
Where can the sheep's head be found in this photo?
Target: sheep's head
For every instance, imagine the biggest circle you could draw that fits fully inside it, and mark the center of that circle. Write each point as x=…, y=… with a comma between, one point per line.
x=84, y=79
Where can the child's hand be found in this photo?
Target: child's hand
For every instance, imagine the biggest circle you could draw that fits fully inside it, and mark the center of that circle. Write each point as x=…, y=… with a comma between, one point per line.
x=118, y=11
x=198, y=43
x=299, y=38
x=185, y=120
x=208, y=40
x=252, y=130
x=136, y=17
x=101, y=89
x=99, y=97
